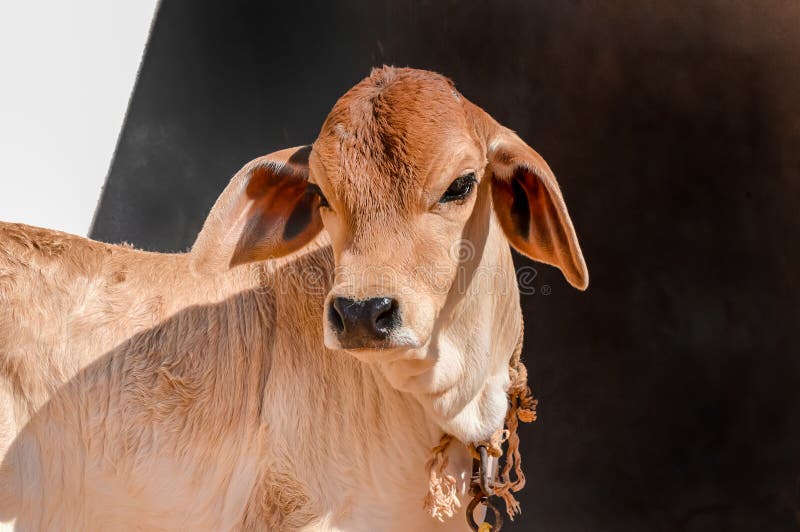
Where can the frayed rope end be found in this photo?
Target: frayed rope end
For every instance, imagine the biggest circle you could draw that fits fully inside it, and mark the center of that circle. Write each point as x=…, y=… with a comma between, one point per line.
x=442, y=499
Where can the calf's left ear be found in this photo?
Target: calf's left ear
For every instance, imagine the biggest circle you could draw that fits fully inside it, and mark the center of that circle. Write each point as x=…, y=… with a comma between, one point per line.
x=530, y=207
x=266, y=211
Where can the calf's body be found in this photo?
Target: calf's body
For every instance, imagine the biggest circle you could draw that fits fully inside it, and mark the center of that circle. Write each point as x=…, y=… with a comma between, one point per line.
x=135, y=394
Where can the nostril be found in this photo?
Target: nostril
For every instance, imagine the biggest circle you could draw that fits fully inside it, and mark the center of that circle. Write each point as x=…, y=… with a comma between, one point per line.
x=359, y=322
x=386, y=315
x=335, y=315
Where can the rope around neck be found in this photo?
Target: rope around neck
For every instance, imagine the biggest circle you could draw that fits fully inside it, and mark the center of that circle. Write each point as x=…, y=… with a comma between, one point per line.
x=442, y=500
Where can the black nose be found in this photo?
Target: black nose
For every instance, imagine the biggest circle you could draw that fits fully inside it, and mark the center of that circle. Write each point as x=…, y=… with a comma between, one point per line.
x=360, y=323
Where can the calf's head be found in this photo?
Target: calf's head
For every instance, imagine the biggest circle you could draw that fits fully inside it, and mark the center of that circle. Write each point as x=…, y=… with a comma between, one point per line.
x=415, y=187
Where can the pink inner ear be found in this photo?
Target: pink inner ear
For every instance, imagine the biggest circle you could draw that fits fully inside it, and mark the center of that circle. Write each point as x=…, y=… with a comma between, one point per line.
x=533, y=223
x=264, y=212
x=262, y=179
x=522, y=204
x=546, y=231
x=281, y=216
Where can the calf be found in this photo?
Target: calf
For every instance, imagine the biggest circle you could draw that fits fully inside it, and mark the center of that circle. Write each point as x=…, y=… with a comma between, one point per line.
x=345, y=306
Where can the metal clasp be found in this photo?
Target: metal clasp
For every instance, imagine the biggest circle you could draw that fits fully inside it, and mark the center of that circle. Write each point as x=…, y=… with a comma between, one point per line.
x=481, y=489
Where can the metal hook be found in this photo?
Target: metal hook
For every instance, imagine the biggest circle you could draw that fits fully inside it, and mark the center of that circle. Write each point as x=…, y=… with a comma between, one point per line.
x=485, y=473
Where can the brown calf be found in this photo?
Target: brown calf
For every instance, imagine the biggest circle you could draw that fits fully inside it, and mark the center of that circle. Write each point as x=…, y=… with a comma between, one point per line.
x=344, y=307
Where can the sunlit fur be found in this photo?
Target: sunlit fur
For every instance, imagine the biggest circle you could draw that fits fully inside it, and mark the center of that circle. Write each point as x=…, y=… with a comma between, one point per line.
x=155, y=391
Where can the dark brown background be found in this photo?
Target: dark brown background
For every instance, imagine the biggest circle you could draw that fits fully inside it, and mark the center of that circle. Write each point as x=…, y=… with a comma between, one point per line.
x=669, y=391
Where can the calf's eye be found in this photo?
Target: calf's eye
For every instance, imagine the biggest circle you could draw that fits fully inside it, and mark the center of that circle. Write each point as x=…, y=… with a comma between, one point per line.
x=323, y=201
x=459, y=189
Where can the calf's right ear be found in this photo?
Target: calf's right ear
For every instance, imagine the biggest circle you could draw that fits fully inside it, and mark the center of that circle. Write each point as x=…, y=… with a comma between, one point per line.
x=267, y=211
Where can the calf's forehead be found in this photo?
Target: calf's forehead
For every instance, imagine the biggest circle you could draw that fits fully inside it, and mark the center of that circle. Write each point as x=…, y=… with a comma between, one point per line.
x=385, y=136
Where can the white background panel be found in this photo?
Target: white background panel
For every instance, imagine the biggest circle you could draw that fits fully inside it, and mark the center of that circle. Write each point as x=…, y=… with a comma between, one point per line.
x=68, y=69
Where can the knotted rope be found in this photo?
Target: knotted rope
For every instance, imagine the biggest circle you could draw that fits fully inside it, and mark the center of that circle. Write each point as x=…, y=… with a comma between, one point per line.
x=442, y=498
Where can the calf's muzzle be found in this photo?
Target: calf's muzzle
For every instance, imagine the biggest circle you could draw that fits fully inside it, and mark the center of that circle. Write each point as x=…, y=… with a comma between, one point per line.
x=364, y=323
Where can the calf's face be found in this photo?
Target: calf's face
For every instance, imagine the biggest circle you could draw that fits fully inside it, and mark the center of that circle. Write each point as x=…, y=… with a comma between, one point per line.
x=405, y=177
x=399, y=167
